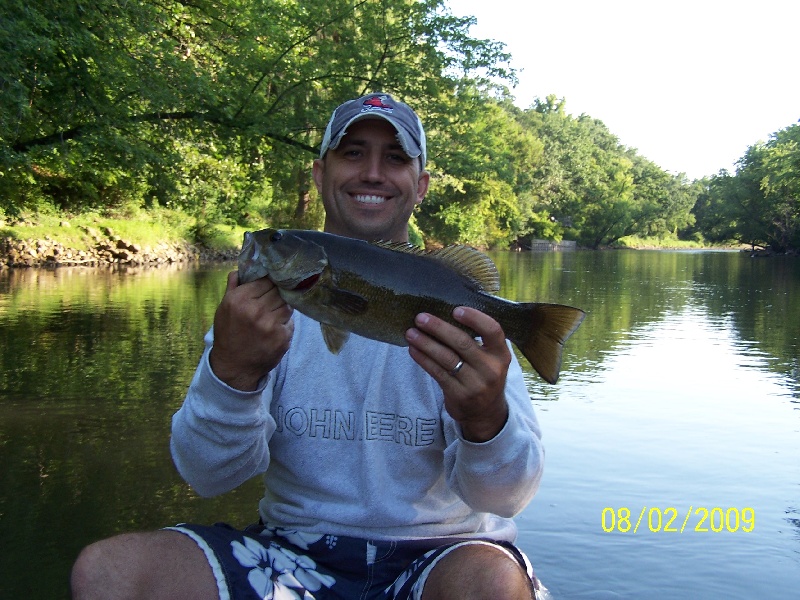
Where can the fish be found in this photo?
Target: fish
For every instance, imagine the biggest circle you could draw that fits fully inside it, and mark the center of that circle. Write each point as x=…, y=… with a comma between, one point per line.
x=376, y=289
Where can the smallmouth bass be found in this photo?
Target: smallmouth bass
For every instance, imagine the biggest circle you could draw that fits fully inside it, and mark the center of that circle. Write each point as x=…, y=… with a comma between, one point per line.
x=376, y=289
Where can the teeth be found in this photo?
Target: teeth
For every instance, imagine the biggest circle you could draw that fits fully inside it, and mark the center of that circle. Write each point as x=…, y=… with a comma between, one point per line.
x=370, y=199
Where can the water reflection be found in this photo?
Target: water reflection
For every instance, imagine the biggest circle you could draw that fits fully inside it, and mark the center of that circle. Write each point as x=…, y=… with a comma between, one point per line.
x=680, y=387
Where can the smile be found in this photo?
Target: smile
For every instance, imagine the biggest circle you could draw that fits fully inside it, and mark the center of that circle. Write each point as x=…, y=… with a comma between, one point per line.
x=370, y=199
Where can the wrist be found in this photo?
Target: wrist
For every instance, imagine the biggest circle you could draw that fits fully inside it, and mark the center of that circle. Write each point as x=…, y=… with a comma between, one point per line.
x=234, y=377
x=479, y=431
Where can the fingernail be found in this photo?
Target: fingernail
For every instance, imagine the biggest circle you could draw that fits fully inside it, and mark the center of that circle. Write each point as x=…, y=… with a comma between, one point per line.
x=422, y=318
x=458, y=312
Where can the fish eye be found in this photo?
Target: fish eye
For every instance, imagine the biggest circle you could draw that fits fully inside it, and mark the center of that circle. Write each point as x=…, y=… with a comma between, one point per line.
x=276, y=236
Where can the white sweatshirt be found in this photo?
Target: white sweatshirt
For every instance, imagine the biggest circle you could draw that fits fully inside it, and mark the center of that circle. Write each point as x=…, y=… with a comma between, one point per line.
x=357, y=444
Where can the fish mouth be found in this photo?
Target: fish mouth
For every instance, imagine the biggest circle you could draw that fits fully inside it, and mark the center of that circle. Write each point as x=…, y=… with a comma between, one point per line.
x=306, y=283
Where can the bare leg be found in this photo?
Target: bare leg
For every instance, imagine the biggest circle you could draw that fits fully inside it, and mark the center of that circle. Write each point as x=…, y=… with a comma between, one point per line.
x=478, y=572
x=159, y=564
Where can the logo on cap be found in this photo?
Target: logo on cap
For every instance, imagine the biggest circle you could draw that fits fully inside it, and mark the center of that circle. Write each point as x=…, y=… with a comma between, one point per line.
x=377, y=103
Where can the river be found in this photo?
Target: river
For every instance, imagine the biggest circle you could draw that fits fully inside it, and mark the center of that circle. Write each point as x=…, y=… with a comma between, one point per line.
x=672, y=437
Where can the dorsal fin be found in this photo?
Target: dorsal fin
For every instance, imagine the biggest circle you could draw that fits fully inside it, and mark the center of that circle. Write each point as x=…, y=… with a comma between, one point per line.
x=466, y=260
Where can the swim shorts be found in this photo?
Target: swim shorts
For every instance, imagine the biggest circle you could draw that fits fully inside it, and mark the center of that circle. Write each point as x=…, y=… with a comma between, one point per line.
x=279, y=564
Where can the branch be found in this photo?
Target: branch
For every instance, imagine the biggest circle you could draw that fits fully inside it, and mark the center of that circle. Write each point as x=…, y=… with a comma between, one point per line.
x=270, y=69
x=79, y=130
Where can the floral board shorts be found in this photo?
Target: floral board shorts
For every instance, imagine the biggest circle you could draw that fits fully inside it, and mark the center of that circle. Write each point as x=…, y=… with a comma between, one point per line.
x=280, y=564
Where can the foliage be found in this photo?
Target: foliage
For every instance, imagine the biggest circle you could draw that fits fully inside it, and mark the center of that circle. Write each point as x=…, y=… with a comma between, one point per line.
x=217, y=109
x=209, y=106
x=760, y=204
x=595, y=190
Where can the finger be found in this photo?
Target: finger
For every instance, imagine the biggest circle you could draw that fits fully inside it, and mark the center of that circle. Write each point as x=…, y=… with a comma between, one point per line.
x=449, y=382
x=491, y=333
x=233, y=281
x=256, y=289
x=443, y=342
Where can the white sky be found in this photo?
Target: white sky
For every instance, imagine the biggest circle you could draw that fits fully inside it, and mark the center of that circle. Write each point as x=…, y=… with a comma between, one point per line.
x=689, y=84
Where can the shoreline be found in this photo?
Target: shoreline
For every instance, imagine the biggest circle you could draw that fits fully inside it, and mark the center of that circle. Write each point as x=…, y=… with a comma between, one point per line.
x=106, y=250
x=102, y=247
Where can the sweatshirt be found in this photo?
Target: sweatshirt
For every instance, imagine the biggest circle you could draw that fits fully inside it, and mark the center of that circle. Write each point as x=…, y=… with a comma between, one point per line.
x=357, y=444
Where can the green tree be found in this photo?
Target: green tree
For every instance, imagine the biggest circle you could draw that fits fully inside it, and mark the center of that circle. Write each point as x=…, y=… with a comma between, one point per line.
x=780, y=183
x=483, y=170
x=211, y=106
x=760, y=204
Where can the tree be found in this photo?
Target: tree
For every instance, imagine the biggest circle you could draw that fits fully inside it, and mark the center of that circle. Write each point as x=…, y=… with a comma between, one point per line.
x=760, y=204
x=780, y=183
x=483, y=167
x=207, y=105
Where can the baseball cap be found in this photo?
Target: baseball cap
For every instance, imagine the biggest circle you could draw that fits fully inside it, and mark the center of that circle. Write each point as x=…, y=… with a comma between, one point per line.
x=410, y=133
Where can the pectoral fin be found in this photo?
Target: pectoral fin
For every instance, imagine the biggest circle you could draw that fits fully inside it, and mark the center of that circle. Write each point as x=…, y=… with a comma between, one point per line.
x=347, y=302
x=334, y=337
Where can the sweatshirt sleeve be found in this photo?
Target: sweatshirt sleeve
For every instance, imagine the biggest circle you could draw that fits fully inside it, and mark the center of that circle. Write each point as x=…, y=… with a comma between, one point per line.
x=500, y=476
x=220, y=435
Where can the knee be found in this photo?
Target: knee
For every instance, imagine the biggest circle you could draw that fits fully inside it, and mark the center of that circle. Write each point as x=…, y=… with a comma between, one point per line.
x=158, y=564
x=85, y=571
x=504, y=578
x=480, y=573
x=97, y=568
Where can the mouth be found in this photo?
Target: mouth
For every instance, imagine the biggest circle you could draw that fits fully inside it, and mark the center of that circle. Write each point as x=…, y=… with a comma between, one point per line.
x=369, y=198
x=306, y=283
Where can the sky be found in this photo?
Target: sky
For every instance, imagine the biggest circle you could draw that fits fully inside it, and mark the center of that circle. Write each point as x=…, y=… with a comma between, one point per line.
x=689, y=84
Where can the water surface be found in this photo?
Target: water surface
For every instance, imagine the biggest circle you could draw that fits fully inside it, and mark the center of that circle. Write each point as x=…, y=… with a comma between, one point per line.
x=680, y=391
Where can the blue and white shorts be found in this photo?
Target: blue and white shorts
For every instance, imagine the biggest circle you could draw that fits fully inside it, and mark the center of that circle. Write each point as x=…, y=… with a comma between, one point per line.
x=277, y=564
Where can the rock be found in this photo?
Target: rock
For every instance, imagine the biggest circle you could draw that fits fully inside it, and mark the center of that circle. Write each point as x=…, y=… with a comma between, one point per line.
x=104, y=252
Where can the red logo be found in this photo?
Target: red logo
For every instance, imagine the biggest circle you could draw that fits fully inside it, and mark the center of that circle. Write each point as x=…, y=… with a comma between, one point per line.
x=377, y=103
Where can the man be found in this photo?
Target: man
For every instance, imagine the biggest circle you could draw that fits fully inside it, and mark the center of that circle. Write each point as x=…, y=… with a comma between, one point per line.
x=389, y=472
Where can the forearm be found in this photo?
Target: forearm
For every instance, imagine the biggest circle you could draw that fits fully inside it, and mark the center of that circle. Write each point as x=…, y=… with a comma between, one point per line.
x=219, y=435
x=500, y=475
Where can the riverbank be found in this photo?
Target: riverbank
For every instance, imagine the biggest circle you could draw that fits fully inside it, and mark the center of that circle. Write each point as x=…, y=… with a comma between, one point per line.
x=91, y=240
x=152, y=238
x=107, y=248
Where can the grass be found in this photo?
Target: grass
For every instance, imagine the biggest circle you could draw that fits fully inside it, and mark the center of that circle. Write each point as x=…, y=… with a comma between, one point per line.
x=146, y=228
x=667, y=243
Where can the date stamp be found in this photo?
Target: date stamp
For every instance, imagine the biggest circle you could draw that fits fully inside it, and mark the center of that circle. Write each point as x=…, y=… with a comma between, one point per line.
x=671, y=520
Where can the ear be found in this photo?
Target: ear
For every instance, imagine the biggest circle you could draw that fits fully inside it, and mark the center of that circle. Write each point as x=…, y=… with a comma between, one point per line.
x=422, y=186
x=317, y=172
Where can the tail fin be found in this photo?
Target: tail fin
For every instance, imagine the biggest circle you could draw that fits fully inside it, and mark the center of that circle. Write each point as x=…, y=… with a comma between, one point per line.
x=550, y=325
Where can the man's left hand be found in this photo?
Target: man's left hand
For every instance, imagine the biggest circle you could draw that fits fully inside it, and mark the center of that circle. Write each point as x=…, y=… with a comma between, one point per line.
x=474, y=391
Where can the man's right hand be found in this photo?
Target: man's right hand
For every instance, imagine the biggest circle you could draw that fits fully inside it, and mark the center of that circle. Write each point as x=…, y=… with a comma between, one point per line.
x=253, y=327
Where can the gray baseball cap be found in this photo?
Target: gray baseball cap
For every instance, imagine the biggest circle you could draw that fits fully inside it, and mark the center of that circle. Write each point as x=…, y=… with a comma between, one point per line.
x=410, y=133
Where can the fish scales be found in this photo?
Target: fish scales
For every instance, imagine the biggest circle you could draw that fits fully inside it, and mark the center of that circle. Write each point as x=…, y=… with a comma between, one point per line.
x=376, y=289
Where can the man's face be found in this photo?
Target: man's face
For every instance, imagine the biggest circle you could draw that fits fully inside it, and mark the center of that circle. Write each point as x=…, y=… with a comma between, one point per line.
x=369, y=185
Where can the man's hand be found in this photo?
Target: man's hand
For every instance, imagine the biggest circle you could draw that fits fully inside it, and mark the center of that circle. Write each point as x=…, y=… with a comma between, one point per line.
x=474, y=394
x=252, y=330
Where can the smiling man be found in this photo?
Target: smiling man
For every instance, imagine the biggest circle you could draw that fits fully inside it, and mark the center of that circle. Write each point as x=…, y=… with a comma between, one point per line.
x=389, y=472
x=371, y=171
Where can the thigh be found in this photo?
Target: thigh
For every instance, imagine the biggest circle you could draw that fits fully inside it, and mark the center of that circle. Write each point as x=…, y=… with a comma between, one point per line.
x=158, y=564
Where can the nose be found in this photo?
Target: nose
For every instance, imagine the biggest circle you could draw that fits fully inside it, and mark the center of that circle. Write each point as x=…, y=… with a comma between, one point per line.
x=372, y=168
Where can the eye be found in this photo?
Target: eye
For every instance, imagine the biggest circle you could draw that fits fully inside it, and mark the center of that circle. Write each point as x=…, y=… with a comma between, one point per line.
x=276, y=236
x=398, y=159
